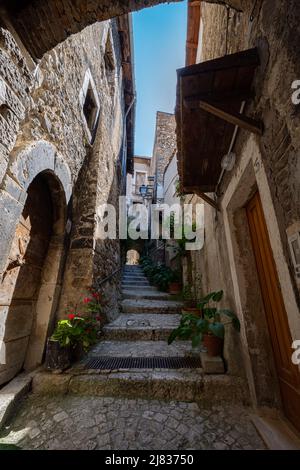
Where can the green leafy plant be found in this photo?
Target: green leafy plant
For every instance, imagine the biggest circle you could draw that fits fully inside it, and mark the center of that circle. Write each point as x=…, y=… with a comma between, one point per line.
x=159, y=274
x=75, y=331
x=192, y=327
x=80, y=329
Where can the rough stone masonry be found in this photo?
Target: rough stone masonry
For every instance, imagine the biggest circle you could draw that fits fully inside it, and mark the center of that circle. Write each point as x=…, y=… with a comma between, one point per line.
x=62, y=124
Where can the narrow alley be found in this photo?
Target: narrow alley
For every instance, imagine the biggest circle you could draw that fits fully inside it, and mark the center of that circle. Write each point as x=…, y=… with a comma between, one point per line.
x=123, y=418
x=150, y=226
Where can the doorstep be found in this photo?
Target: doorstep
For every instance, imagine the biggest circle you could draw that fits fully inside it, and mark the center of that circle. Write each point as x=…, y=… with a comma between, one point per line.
x=212, y=364
x=277, y=432
x=11, y=394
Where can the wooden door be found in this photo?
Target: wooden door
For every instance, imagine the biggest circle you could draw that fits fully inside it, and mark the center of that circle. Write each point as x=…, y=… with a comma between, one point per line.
x=288, y=373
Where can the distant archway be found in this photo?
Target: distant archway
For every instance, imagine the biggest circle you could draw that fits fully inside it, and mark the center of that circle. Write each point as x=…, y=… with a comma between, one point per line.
x=132, y=257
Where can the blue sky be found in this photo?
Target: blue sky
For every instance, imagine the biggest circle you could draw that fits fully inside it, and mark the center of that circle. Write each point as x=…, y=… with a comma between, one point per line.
x=159, y=49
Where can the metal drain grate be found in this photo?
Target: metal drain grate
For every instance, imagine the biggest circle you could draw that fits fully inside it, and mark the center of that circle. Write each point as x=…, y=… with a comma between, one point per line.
x=113, y=363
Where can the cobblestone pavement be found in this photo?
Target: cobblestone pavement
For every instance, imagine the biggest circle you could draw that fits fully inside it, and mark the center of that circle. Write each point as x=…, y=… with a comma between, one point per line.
x=71, y=422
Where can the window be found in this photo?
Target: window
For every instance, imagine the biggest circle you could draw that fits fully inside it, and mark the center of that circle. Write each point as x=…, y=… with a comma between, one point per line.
x=90, y=105
x=90, y=109
x=110, y=63
x=140, y=179
x=109, y=59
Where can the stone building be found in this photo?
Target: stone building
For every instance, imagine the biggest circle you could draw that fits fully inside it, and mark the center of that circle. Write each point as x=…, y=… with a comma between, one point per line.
x=139, y=177
x=66, y=125
x=163, y=149
x=238, y=149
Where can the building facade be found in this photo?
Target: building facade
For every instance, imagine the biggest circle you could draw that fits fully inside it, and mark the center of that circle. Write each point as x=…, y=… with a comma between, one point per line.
x=139, y=177
x=247, y=170
x=66, y=123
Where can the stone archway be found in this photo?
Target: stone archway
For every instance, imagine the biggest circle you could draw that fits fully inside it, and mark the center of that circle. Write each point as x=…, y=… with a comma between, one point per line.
x=42, y=25
x=30, y=280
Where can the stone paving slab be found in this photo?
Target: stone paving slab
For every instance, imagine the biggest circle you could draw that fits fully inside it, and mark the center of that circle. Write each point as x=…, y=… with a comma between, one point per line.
x=139, y=289
x=114, y=423
x=138, y=326
x=141, y=349
x=152, y=306
x=145, y=294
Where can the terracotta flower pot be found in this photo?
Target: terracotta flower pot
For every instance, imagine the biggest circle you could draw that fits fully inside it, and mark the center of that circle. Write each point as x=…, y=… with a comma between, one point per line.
x=174, y=288
x=193, y=310
x=213, y=344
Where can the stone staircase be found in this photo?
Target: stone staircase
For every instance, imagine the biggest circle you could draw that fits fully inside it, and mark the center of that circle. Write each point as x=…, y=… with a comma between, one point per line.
x=140, y=334
x=141, y=330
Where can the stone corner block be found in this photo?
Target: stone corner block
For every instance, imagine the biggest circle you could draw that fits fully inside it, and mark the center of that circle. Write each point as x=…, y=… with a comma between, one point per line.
x=212, y=364
x=10, y=396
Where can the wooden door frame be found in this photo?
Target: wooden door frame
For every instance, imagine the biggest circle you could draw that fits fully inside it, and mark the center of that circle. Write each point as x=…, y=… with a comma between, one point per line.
x=250, y=175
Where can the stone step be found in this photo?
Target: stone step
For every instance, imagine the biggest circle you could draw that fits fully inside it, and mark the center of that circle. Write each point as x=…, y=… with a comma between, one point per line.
x=133, y=268
x=135, y=288
x=145, y=294
x=141, y=349
x=163, y=384
x=150, y=306
x=137, y=326
x=134, y=278
x=180, y=384
x=139, y=282
x=149, y=288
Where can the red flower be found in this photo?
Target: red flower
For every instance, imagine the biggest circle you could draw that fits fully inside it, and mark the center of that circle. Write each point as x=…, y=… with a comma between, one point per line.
x=87, y=300
x=98, y=318
x=96, y=295
x=71, y=316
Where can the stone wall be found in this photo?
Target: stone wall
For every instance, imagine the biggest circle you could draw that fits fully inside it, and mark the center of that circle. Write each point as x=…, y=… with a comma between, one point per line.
x=164, y=147
x=276, y=40
x=269, y=163
x=43, y=129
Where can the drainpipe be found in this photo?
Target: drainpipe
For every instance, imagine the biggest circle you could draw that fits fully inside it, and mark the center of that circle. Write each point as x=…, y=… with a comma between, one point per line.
x=230, y=148
x=124, y=144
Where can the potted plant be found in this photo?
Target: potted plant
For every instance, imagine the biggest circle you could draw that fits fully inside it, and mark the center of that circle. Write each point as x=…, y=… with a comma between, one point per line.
x=57, y=355
x=209, y=329
x=190, y=303
x=74, y=335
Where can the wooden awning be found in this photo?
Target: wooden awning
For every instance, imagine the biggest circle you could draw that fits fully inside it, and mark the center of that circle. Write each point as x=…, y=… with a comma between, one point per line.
x=209, y=100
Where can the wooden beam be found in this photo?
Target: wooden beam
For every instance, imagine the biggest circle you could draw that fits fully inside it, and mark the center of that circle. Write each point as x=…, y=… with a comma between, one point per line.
x=192, y=101
x=203, y=196
x=191, y=45
x=237, y=119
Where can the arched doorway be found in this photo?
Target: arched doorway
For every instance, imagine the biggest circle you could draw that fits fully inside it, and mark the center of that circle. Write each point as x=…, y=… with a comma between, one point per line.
x=132, y=257
x=32, y=275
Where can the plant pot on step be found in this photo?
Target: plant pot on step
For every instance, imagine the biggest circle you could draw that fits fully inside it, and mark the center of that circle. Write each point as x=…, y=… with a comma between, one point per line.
x=77, y=352
x=174, y=288
x=57, y=356
x=191, y=310
x=213, y=344
x=190, y=307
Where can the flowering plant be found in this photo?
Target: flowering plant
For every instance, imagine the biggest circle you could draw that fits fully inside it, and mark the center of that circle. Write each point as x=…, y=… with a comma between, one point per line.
x=80, y=329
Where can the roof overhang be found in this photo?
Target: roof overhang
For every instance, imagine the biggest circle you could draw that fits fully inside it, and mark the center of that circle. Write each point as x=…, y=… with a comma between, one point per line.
x=208, y=109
